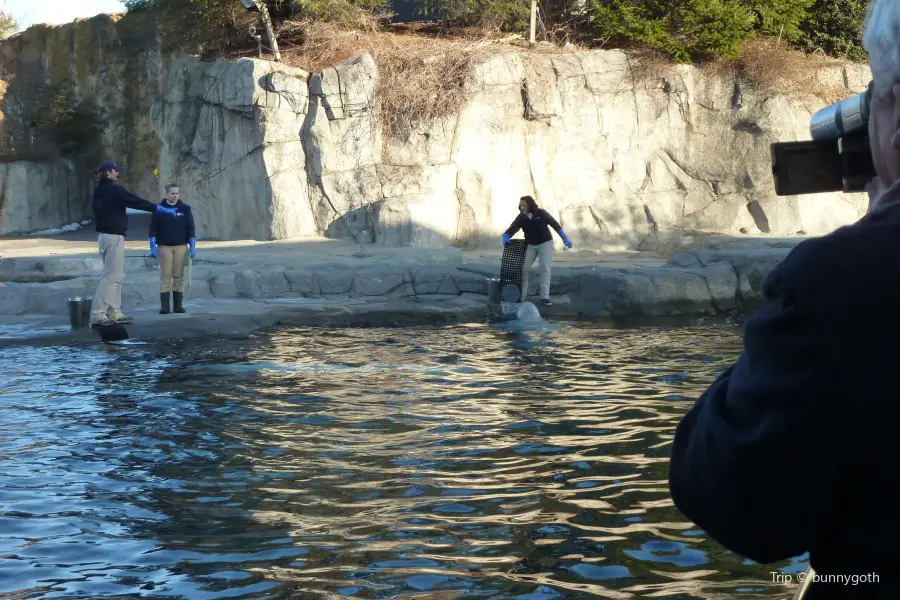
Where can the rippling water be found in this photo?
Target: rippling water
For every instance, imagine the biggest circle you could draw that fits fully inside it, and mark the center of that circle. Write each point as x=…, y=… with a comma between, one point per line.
x=467, y=461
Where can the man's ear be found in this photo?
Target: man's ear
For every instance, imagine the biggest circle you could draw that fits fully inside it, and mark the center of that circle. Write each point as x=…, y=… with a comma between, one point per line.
x=895, y=137
x=895, y=92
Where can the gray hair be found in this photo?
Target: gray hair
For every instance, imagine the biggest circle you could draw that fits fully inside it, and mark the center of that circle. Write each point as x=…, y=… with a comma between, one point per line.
x=881, y=39
x=170, y=186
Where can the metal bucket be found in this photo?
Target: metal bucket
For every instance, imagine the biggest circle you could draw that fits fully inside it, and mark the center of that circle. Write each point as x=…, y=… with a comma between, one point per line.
x=494, y=290
x=79, y=311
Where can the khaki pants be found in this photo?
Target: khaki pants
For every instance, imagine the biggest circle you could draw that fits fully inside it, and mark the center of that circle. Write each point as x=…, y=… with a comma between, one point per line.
x=171, y=268
x=544, y=253
x=108, y=299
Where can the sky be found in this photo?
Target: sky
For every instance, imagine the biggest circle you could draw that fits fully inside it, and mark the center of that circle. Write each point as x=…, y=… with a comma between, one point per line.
x=57, y=12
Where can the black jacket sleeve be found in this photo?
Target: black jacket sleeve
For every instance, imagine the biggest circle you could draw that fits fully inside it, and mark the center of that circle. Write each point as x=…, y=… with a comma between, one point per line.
x=132, y=200
x=189, y=216
x=755, y=463
x=154, y=225
x=515, y=227
x=551, y=221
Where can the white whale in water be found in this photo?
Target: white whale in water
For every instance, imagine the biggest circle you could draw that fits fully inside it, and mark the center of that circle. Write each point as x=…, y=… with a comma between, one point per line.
x=528, y=313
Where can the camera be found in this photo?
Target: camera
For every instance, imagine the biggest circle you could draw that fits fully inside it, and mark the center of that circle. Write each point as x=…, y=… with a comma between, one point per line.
x=252, y=31
x=837, y=159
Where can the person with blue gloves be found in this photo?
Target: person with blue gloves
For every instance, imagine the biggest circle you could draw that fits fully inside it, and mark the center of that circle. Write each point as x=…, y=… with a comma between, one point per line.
x=536, y=223
x=109, y=203
x=172, y=239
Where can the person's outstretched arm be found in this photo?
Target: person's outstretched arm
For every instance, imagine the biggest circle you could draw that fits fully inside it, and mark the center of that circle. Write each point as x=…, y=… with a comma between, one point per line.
x=557, y=228
x=755, y=462
x=513, y=229
x=136, y=202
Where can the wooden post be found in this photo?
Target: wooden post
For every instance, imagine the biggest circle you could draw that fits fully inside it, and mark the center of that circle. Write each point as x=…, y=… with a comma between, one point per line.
x=533, y=14
x=270, y=30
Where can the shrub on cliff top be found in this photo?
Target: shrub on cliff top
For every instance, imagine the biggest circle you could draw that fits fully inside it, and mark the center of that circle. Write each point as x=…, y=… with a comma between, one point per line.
x=834, y=27
x=208, y=25
x=688, y=30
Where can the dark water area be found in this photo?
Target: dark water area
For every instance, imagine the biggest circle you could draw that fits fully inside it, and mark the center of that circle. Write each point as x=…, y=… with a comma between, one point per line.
x=468, y=461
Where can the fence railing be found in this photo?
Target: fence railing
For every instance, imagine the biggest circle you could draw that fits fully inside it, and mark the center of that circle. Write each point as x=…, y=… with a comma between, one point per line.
x=37, y=151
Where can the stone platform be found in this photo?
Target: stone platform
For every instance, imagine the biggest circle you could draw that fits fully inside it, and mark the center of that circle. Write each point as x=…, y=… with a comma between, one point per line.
x=240, y=287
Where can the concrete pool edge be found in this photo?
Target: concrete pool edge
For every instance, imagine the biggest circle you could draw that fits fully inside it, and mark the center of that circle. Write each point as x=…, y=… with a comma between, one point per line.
x=238, y=299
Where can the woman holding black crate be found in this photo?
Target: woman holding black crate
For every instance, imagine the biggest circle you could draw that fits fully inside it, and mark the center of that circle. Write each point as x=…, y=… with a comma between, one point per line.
x=536, y=222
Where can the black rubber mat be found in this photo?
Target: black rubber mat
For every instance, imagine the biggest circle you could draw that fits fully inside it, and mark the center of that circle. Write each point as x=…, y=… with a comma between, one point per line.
x=511, y=270
x=110, y=333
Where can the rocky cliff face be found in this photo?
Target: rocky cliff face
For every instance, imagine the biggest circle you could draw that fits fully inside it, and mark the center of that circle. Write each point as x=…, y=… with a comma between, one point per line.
x=620, y=161
x=265, y=151
x=112, y=62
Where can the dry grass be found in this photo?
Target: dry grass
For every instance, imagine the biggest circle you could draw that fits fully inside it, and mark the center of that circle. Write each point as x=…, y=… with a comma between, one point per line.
x=422, y=75
x=648, y=66
x=423, y=72
x=775, y=67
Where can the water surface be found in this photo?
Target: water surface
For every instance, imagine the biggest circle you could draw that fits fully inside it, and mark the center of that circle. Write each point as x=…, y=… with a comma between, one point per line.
x=467, y=461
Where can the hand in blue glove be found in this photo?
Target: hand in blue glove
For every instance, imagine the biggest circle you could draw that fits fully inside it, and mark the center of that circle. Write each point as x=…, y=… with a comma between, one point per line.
x=166, y=211
x=154, y=252
x=565, y=238
x=506, y=239
x=193, y=247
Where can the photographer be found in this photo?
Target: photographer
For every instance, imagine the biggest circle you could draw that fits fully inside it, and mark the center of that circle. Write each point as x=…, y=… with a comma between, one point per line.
x=792, y=448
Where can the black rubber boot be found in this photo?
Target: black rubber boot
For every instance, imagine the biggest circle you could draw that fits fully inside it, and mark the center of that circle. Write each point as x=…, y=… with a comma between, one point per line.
x=164, y=303
x=177, y=297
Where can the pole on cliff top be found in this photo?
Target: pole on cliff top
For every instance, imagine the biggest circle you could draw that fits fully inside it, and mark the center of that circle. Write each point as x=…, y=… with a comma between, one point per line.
x=533, y=13
x=267, y=21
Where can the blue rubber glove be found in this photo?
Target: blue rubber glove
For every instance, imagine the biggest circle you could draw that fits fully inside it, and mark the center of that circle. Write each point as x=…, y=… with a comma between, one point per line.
x=193, y=249
x=506, y=239
x=166, y=211
x=153, y=250
x=565, y=238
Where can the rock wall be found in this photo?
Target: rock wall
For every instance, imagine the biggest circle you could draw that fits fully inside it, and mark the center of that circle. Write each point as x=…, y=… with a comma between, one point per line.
x=620, y=162
x=39, y=196
x=264, y=151
x=231, y=140
x=111, y=61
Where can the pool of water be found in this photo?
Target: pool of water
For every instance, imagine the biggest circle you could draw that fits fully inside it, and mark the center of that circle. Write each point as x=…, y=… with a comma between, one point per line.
x=470, y=461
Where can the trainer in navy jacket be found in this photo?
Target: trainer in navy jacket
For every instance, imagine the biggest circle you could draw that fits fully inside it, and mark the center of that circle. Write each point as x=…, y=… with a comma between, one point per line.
x=173, y=231
x=172, y=241
x=109, y=204
x=793, y=448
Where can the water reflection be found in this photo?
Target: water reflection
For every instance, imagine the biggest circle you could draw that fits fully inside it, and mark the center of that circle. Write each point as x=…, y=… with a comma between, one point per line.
x=436, y=462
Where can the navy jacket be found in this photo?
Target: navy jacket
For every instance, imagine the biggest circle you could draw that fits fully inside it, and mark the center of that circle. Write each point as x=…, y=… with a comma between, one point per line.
x=109, y=203
x=794, y=448
x=537, y=228
x=173, y=231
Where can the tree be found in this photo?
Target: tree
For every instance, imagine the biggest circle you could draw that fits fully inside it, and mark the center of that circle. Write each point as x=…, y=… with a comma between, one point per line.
x=684, y=29
x=782, y=18
x=213, y=26
x=8, y=25
x=835, y=27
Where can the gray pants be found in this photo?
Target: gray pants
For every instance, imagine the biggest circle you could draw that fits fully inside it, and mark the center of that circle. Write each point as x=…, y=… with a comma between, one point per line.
x=108, y=299
x=544, y=254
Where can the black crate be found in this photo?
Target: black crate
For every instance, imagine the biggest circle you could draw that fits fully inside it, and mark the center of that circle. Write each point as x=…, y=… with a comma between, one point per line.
x=511, y=270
